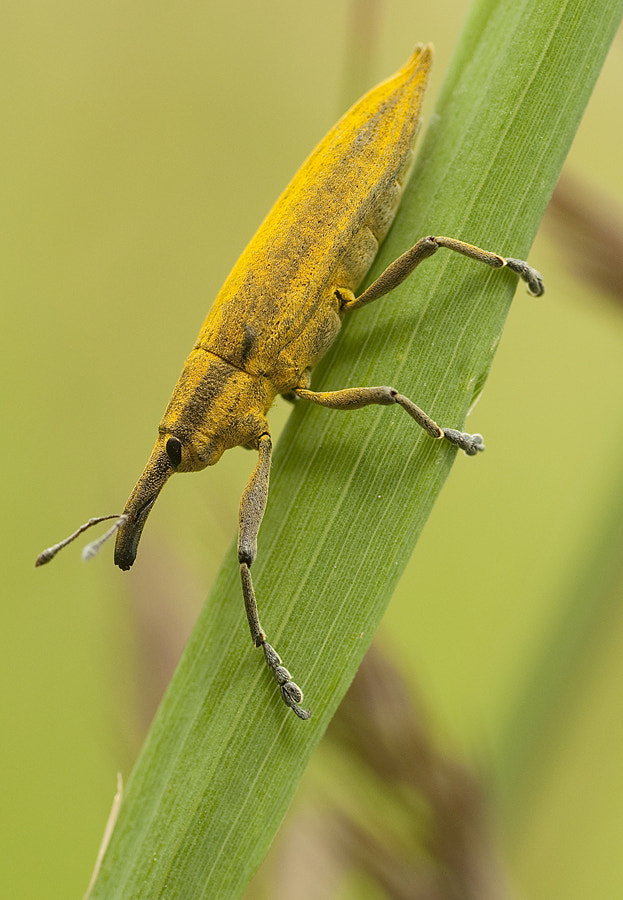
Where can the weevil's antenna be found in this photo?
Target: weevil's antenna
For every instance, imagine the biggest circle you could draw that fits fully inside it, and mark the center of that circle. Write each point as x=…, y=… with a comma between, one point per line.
x=91, y=549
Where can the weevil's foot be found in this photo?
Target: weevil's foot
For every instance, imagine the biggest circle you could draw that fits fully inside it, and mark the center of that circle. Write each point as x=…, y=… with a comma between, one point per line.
x=290, y=692
x=533, y=279
x=470, y=444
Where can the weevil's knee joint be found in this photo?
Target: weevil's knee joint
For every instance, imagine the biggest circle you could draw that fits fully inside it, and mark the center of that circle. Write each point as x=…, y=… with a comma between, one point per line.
x=245, y=557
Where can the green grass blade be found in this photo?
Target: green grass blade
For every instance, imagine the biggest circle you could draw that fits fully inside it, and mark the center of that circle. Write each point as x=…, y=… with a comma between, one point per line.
x=351, y=492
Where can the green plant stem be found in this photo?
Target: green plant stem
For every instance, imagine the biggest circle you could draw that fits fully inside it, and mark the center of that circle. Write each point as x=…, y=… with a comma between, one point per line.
x=351, y=492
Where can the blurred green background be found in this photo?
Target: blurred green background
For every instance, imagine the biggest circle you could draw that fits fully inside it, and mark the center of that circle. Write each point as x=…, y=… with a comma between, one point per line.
x=142, y=145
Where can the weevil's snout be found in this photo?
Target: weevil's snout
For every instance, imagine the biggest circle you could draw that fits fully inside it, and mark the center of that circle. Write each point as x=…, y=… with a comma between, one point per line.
x=139, y=504
x=129, y=535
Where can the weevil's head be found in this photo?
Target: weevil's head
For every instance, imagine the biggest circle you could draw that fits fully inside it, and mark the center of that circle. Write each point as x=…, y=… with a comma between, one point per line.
x=214, y=407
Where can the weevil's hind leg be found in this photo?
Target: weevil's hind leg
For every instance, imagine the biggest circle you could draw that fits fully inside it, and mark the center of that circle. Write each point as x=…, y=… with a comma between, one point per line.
x=356, y=398
x=252, y=506
x=402, y=267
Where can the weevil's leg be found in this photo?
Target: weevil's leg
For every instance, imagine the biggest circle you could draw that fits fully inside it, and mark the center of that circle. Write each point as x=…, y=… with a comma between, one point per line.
x=402, y=267
x=252, y=506
x=356, y=398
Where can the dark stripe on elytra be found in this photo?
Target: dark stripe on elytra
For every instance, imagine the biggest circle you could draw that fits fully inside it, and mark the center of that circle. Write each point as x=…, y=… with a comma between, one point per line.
x=249, y=343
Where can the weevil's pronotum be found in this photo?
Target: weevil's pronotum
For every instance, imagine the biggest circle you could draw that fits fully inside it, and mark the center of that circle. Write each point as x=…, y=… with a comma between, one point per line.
x=279, y=311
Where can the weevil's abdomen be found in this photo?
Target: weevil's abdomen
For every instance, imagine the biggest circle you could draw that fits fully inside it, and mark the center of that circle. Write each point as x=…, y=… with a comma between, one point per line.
x=358, y=256
x=277, y=313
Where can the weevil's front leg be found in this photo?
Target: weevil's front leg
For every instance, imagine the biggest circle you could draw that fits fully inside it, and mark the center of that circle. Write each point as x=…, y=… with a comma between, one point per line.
x=356, y=398
x=252, y=506
x=402, y=267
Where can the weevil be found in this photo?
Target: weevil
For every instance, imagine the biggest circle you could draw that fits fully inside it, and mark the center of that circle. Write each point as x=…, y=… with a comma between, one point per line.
x=280, y=310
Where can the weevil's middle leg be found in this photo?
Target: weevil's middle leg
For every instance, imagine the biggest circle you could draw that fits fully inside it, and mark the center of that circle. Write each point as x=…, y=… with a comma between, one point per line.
x=356, y=398
x=252, y=506
x=402, y=267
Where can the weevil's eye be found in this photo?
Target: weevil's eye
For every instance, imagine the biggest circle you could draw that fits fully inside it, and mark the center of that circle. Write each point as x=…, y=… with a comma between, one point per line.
x=174, y=450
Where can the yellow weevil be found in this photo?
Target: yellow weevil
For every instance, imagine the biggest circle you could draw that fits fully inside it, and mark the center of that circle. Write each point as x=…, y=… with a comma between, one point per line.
x=279, y=311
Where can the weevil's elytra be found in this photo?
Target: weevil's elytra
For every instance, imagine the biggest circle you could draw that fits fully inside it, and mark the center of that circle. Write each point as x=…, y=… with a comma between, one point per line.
x=280, y=310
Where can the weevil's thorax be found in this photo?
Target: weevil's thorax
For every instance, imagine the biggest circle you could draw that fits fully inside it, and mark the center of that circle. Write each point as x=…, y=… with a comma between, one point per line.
x=214, y=406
